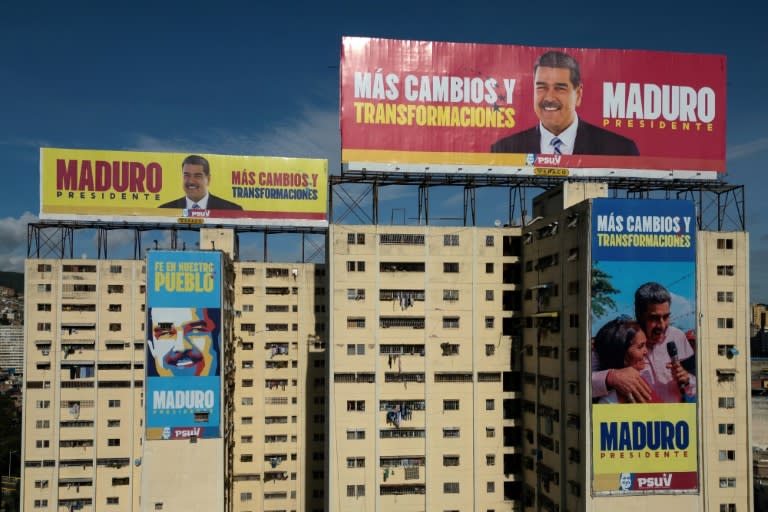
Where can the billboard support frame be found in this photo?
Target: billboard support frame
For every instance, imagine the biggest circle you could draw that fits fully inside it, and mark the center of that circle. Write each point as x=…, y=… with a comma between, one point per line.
x=719, y=205
x=55, y=239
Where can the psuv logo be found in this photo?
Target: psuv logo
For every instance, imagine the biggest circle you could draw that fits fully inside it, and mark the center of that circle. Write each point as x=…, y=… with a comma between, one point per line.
x=663, y=481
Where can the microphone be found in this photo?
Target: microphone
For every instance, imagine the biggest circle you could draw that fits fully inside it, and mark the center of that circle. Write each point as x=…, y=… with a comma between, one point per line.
x=672, y=351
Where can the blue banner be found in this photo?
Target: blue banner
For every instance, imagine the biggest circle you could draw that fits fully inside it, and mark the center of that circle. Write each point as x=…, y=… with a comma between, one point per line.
x=648, y=229
x=183, y=369
x=183, y=278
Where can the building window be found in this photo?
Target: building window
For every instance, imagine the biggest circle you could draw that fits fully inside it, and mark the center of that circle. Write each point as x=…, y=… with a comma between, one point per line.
x=355, y=462
x=489, y=241
x=725, y=270
x=355, y=266
x=450, y=294
x=43, y=326
x=727, y=482
x=490, y=349
x=450, y=405
x=725, y=323
x=489, y=268
x=43, y=287
x=355, y=491
x=489, y=321
x=43, y=307
x=490, y=487
x=398, y=238
x=450, y=268
x=358, y=238
x=120, y=481
x=725, y=429
x=113, y=442
x=490, y=432
x=115, y=327
x=727, y=507
x=450, y=460
x=45, y=443
x=451, y=488
x=42, y=267
x=355, y=349
x=114, y=403
x=573, y=320
x=246, y=457
x=354, y=322
x=114, y=288
x=356, y=293
x=451, y=240
x=450, y=322
x=355, y=434
x=725, y=243
x=41, y=503
x=490, y=460
x=356, y=405
x=490, y=404
x=246, y=496
x=451, y=432
x=727, y=455
x=246, y=420
x=724, y=296
x=489, y=295
x=726, y=402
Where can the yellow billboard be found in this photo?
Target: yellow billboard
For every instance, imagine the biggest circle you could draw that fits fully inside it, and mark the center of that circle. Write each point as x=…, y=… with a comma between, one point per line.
x=85, y=184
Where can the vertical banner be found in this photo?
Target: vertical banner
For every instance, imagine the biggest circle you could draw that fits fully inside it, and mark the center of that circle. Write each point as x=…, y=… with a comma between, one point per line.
x=183, y=367
x=643, y=321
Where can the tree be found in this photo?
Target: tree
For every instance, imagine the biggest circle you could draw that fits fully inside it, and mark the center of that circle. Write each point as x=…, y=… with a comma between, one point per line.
x=602, y=289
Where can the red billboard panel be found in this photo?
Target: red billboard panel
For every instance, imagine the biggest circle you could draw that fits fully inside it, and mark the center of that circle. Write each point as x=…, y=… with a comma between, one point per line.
x=522, y=110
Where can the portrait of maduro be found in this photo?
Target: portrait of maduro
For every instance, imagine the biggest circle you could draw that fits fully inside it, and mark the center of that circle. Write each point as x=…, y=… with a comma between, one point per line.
x=183, y=342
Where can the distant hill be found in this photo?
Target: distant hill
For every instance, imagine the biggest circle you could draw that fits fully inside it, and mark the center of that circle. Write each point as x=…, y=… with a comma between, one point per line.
x=13, y=280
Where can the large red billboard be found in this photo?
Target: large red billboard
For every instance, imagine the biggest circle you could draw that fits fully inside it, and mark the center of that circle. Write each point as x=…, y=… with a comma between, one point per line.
x=522, y=110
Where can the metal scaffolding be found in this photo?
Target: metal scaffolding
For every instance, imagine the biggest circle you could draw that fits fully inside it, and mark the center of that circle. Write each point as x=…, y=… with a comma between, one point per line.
x=720, y=206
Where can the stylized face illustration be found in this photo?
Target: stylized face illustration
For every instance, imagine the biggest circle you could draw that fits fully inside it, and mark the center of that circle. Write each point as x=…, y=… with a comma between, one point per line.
x=555, y=98
x=166, y=432
x=195, y=181
x=182, y=342
x=626, y=481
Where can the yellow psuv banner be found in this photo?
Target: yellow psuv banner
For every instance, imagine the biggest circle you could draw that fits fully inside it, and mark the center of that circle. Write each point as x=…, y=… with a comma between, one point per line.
x=84, y=184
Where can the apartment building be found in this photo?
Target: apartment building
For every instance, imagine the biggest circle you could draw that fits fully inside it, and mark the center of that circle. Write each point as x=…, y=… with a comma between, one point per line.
x=422, y=399
x=12, y=347
x=85, y=445
x=278, y=387
x=432, y=368
x=559, y=439
x=83, y=384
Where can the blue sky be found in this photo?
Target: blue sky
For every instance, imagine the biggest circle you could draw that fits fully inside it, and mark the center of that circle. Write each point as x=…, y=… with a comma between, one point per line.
x=261, y=78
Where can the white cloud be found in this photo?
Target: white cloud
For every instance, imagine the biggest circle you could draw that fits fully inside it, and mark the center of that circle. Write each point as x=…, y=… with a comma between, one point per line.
x=311, y=133
x=13, y=241
x=737, y=151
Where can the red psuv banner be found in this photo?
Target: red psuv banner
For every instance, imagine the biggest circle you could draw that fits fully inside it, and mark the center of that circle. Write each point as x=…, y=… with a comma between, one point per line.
x=480, y=108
